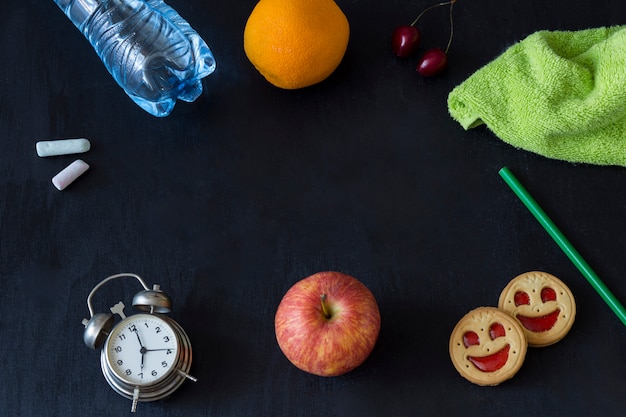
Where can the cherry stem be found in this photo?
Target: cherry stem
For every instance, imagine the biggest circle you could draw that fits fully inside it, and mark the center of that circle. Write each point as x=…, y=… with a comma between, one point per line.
x=451, y=2
x=451, y=26
x=325, y=311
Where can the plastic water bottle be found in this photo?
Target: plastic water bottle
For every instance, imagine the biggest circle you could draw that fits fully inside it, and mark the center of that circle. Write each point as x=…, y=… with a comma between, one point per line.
x=152, y=52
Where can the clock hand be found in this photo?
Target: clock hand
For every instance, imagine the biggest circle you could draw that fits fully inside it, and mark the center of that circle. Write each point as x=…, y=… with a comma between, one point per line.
x=142, y=350
x=139, y=339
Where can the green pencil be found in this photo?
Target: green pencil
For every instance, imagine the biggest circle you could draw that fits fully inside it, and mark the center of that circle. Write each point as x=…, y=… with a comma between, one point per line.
x=564, y=244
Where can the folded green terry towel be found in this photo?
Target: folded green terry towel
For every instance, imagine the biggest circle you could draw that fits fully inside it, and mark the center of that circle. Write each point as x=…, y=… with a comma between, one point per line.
x=560, y=94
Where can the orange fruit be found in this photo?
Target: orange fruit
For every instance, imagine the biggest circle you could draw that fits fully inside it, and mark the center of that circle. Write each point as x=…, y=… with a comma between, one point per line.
x=296, y=43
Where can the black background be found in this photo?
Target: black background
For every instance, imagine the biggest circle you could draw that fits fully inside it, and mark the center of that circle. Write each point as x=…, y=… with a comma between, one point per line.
x=233, y=198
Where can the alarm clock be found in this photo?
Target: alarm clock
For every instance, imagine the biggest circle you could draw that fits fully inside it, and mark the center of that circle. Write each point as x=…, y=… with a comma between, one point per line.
x=145, y=356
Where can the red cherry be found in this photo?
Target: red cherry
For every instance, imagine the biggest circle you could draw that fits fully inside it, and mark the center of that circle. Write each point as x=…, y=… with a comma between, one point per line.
x=405, y=40
x=433, y=62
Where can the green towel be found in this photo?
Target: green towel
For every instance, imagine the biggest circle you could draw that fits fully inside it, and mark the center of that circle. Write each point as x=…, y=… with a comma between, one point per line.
x=560, y=94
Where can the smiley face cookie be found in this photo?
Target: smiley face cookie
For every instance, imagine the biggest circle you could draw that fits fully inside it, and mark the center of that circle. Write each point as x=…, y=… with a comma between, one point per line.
x=487, y=346
x=542, y=303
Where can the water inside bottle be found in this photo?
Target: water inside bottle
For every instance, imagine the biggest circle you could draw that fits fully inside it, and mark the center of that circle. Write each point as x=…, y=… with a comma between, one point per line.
x=149, y=49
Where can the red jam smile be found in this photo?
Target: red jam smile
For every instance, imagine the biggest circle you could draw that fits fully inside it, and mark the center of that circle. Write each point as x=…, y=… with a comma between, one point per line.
x=539, y=324
x=492, y=362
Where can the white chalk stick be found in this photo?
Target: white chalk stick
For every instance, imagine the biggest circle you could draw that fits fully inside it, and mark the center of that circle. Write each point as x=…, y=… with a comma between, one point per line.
x=62, y=147
x=69, y=174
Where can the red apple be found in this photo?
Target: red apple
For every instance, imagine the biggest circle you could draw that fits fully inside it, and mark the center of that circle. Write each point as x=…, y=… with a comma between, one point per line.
x=327, y=324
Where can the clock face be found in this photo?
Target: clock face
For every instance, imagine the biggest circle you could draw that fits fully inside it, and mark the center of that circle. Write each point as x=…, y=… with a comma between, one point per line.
x=142, y=349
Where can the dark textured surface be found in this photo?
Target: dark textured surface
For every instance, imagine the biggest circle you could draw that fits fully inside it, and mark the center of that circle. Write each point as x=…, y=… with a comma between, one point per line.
x=230, y=200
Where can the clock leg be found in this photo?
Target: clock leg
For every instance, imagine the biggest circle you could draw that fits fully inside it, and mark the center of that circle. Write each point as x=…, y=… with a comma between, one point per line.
x=133, y=407
x=186, y=375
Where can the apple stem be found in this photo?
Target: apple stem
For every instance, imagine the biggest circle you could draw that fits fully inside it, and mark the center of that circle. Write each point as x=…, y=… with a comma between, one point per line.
x=430, y=8
x=325, y=311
